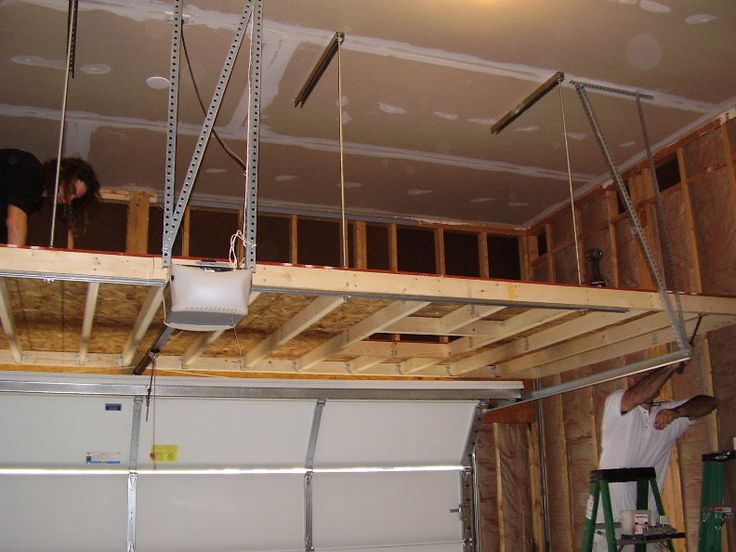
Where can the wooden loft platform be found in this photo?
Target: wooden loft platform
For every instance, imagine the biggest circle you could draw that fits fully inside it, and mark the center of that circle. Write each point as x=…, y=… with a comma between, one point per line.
x=90, y=312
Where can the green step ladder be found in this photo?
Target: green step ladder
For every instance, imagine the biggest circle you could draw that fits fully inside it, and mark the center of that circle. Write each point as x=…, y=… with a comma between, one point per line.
x=600, y=494
x=713, y=512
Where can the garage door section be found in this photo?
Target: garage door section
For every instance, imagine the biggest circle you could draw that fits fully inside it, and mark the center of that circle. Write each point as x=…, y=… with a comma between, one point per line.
x=93, y=470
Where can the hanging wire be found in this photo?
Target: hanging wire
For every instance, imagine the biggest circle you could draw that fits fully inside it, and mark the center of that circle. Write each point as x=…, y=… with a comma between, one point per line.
x=572, y=195
x=70, y=41
x=343, y=222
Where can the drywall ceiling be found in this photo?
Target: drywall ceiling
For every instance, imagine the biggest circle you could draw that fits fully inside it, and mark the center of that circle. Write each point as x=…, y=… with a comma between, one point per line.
x=422, y=82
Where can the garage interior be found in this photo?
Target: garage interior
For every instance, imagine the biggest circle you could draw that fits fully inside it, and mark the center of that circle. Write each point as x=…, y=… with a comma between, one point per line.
x=432, y=325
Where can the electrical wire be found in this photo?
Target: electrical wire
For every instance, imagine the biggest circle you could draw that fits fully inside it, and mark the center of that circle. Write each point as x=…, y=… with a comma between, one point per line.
x=225, y=147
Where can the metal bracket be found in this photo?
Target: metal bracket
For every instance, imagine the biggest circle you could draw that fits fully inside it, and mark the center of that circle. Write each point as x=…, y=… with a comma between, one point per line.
x=173, y=218
x=308, y=542
x=636, y=224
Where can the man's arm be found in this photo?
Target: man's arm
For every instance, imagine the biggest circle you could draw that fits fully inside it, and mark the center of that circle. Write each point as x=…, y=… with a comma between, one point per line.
x=17, y=224
x=697, y=407
x=647, y=388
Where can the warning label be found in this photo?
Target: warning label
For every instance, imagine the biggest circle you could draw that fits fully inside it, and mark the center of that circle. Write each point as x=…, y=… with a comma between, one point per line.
x=165, y=453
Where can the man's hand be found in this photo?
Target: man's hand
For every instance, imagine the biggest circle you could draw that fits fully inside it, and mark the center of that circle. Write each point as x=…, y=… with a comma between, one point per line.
x=664, y=418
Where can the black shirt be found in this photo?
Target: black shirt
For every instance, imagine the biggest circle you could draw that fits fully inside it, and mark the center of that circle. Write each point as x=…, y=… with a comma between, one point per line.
x=21, y=185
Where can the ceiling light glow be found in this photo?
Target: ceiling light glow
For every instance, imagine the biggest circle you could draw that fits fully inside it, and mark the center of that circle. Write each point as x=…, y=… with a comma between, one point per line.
x=157, y=82
x=96, y=69
x=654, y=7
x=699, y=18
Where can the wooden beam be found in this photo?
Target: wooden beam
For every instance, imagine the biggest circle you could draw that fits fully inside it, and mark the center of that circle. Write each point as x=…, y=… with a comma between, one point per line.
x=312, y=313
x=360, y=249
x=393, y=248
x=143, y=322
x=82, y=266
x=390, y=350
x=363, y=364
x=586, y=343
x=90, y=305
x=195, y=350
x=293, y=239
x=692, y=242
x=640, y=343
x=515, y=325
x=204, y=340
x=374, y=323
x=567, y=330
x=136, y=240
x=439, y=251
x=6, y=317
x=483, y=254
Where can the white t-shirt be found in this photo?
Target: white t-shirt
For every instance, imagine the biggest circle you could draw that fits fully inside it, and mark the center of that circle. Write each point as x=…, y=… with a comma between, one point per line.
x=631, y=441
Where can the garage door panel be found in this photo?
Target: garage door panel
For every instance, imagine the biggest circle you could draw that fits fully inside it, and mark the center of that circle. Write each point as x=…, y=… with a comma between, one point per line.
x=385, y=509
x=396, y=433
x=63, y=513
x=194, y=513
x=64, y=431
x=230, y=433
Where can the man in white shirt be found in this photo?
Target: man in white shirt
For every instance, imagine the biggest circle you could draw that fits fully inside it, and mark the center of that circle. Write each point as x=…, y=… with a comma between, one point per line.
x=636, y=432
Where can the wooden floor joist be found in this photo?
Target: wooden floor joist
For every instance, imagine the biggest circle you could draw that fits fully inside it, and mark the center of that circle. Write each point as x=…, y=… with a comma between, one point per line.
x=325, y=321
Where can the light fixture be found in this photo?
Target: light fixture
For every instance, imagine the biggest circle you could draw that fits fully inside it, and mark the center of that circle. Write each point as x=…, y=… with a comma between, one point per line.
x=527, y=102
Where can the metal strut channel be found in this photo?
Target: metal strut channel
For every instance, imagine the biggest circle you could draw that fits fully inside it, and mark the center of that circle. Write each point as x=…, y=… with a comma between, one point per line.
x=309, y=465
x=135, y=432
x=669, y=264
x=171, y=132
x=639, y=231
x=172, y=229
x=254, y=110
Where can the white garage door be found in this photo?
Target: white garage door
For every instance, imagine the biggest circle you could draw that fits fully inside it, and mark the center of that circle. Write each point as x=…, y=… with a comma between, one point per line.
x=230, y=474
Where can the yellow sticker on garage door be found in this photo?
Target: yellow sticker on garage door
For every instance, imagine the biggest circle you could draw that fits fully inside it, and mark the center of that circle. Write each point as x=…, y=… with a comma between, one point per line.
x=165, y=453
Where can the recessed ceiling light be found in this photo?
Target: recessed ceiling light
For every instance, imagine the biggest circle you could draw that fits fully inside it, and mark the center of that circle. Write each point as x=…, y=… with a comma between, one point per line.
x=484, y=122
x=36, y=61
x=418, y=191
x=391, y=109
x=530, y=128
x=654, y=7
x=699, y=18
x=448, y=116
x=96, y=68
x=157, y=82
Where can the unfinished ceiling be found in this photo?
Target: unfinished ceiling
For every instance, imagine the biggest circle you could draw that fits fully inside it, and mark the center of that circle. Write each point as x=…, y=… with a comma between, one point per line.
x=423, y=81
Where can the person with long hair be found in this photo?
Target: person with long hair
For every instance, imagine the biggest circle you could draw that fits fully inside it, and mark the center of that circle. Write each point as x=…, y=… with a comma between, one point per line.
x=25, y=183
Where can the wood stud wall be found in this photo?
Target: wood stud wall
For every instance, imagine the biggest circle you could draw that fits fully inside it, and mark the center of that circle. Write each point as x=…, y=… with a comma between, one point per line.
x=701, y=224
